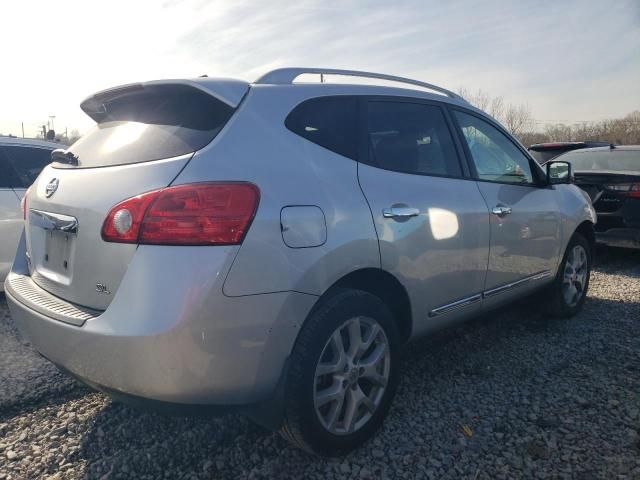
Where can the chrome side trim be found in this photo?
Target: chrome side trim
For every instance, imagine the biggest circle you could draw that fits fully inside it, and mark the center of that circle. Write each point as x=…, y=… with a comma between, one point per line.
x=509, y=286
x=449, y=307
x=455, y=305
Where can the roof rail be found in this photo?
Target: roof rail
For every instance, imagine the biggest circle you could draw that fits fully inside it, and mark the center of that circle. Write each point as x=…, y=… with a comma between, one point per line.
x=286, y=76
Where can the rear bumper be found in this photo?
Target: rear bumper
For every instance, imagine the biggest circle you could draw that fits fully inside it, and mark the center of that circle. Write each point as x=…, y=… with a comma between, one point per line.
x=181, y=343
x=620, y=237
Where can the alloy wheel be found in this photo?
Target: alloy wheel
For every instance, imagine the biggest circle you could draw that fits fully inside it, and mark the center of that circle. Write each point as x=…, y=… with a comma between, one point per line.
x=352, y=375
x=575, y=275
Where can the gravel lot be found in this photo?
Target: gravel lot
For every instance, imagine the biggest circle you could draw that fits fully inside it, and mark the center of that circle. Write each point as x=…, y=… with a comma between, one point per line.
x=509, y=395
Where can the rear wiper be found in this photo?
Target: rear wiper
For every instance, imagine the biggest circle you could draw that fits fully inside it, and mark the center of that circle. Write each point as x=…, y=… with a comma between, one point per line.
x=62, y=156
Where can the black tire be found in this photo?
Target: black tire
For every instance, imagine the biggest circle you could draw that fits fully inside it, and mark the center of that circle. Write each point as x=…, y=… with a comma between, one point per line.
x=301, y=425
x=555, y=303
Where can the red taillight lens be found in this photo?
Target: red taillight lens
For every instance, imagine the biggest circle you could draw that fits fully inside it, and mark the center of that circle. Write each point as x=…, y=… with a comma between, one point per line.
x=626, y=189
x=194, y=214
x=23, y=203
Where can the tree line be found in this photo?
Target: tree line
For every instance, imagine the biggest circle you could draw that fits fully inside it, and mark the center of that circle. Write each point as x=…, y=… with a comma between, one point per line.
x=519, y=121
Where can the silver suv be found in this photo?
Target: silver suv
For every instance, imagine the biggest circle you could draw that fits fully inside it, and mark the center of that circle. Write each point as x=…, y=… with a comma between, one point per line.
x=269, y=247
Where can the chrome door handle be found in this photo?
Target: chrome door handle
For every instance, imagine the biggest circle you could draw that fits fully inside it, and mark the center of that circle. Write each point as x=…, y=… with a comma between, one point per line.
x=501, y=211
x=400, y=212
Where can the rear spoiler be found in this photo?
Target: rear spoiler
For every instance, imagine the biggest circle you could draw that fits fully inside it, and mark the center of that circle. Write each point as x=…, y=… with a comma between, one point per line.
x=226, y=90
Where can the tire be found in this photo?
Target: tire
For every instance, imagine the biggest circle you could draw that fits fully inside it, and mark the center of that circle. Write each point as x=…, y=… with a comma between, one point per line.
x=333, y=428
x=557, y=303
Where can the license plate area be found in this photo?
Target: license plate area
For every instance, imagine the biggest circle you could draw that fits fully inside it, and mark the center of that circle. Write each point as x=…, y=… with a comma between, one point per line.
x=52, y=244
x=58, y=250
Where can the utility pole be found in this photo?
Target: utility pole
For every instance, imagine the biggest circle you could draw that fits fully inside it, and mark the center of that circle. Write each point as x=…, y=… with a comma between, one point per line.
x=22, y=129
x=52, y=118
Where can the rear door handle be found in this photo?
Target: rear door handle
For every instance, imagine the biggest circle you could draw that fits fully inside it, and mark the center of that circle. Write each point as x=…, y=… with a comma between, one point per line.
x=400, y=212
x=501, y=211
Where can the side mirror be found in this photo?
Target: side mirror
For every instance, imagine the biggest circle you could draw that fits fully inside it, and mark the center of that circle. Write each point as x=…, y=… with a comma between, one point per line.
x=559, y=172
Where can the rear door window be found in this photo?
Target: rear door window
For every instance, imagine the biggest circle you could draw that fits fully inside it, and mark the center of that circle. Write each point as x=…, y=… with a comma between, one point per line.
x=26, y=163
x=150, y=123
x=330, y=122
x=6, y=172
x=411, y=138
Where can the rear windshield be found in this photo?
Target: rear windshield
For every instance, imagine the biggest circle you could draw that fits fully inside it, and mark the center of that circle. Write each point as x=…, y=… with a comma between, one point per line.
x=545, y=155
x=148, y=124
x=614, y=160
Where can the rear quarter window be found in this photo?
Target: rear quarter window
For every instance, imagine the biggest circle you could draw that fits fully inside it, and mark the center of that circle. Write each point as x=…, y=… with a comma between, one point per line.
x=152, y=123
x=330, y=122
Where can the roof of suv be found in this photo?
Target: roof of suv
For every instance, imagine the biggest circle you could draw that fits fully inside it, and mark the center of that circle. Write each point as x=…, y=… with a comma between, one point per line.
x=30, y=142
x=613, y=149
x=541, y=147
x=231, y=91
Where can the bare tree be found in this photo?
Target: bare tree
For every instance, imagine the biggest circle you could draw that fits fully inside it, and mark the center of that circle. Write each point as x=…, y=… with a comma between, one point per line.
x=516, y=118
x=73, y=136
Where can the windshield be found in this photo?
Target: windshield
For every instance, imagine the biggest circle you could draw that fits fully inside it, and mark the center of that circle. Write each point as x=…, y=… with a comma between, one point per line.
x=614, y=160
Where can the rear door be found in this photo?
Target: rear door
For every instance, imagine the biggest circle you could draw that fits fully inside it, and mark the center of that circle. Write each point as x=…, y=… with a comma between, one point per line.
x=11, y=222
x=525, y=216
x=144, y=137
x=432, y=223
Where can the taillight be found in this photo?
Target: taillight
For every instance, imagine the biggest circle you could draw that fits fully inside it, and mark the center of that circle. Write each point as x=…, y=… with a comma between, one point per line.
x=193, y=214
x=626, y=189
x=23, y=203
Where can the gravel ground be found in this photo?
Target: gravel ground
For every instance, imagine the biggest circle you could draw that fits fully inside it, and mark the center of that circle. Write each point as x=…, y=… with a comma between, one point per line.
x=509, y=395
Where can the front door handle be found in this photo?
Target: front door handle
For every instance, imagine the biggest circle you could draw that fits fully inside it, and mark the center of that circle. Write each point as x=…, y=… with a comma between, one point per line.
x=501, y=211
x=400, y=212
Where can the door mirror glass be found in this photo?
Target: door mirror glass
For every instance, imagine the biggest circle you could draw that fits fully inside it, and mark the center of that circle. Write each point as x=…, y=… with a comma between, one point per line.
x=558, y=172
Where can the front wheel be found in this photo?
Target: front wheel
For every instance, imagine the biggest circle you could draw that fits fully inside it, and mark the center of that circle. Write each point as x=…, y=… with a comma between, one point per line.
x=569, y=290
x=343, y=374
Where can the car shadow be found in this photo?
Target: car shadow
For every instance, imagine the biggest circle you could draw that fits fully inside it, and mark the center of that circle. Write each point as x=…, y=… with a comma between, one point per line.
x=623, y=261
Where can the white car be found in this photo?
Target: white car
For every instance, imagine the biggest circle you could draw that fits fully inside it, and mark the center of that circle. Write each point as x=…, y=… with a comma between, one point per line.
x=21, y=160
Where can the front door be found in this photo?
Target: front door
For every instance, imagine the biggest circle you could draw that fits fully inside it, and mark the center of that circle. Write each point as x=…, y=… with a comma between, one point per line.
x=432, y=222
x=525, y=219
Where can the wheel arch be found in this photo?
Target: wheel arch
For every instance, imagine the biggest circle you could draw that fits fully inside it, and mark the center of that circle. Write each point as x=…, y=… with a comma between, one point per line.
x=587, y=230
x=386, y=287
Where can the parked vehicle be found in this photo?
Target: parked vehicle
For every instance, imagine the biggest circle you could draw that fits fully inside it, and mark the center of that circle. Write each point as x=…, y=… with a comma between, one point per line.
x=611, y=177
x=269, y=247
x=543, y=152
x=21, y=160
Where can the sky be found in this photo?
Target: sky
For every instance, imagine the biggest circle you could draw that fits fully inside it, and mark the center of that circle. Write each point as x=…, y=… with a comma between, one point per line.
x=569, y=61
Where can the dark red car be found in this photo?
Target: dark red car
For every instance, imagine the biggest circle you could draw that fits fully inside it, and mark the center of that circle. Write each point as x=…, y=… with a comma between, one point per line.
x=543, y=152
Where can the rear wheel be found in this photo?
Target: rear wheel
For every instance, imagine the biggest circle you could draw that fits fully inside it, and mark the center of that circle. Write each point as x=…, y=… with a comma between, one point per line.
x=569, y=289
x=343, y=374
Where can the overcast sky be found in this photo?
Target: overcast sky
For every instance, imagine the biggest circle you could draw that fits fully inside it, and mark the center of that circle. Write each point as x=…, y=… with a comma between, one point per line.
x=568, y=60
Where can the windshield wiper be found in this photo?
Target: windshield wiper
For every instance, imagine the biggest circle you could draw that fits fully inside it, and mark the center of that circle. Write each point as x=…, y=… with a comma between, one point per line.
x=62, y=156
